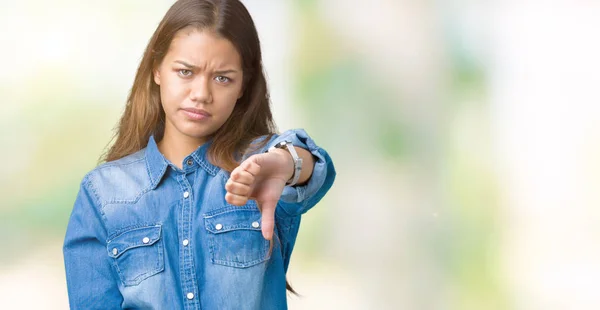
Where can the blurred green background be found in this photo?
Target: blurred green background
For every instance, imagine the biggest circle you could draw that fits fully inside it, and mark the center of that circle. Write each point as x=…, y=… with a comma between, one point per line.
x=466, y=136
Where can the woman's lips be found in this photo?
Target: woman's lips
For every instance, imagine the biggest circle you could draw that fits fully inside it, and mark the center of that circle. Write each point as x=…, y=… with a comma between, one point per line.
x=196, y=114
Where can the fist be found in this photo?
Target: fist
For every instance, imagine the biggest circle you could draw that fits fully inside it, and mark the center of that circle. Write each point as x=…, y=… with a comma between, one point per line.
x=261, y=177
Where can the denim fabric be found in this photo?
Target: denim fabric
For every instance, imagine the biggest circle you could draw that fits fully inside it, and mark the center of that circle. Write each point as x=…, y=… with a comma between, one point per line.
x=144, y=234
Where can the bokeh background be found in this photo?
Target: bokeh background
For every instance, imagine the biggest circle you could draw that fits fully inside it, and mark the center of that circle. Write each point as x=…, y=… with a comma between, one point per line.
x=466, y=136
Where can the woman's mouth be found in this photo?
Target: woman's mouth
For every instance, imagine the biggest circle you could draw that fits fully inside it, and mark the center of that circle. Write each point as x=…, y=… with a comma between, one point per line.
x=196, y=114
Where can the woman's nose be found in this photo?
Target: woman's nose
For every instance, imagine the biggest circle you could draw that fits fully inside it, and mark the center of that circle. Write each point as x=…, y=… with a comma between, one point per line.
x=201, y=90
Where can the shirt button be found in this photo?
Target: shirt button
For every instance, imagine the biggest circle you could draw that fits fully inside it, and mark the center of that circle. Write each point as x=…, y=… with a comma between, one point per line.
x=190, y=296
x=186, y=242
x=218, y=226
x=115, y=251
x=190, y=162
x=186, y=194
x=146, y=240
x=255, y=224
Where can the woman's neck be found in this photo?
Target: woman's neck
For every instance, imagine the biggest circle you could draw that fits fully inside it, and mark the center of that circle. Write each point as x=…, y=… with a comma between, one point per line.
x=176, y=148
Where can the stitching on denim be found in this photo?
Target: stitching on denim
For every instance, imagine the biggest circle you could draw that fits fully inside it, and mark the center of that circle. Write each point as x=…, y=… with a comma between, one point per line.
x=206, y=167
x=148, y=171
x=118, y=163
x=98, y=202
x=92, y=188
x=117, y=233
x=183, y=183
x=230, y=228
x=154, y=182
x=133, y=247
x=129, y=201
x=231, y=208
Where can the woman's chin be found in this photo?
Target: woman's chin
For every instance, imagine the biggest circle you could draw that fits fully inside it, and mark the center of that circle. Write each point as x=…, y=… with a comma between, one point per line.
x=202, y=135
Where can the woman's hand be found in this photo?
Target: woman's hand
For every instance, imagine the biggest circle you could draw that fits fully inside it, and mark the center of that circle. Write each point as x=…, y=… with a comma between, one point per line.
x=261, y=177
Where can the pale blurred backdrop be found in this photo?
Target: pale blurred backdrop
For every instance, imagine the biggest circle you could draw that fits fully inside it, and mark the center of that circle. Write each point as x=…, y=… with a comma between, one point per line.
x=466, y=136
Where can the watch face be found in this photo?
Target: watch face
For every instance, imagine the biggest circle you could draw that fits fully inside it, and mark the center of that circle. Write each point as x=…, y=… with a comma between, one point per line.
x=281, y=144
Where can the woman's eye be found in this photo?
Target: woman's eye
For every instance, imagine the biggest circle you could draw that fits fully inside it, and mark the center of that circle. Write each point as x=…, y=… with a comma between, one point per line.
x=222, y=79
x=185, y=72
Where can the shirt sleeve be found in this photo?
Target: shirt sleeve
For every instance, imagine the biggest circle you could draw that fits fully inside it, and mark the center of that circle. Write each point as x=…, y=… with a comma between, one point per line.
x=298, y=199
x=91, y=282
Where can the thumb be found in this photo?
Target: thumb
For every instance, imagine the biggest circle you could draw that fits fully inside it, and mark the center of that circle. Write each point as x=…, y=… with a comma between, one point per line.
x=268, y=219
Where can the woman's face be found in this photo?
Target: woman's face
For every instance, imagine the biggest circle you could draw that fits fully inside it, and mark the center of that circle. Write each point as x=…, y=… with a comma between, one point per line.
x=200, y=80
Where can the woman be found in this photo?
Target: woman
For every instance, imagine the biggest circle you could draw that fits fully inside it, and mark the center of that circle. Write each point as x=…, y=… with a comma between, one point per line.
x=199, y=201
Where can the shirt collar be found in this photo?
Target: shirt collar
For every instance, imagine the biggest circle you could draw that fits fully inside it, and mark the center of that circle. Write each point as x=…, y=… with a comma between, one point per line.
x=157, y=164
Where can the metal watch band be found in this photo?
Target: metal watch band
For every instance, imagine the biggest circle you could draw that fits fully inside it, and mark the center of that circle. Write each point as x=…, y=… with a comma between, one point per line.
x=297, y=160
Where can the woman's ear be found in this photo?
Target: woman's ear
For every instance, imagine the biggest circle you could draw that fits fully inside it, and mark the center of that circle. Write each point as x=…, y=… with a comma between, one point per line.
x=156, y=75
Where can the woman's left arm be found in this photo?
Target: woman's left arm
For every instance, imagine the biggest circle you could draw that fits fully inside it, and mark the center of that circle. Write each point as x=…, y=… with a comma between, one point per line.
x=316, y=178
x=263, y=177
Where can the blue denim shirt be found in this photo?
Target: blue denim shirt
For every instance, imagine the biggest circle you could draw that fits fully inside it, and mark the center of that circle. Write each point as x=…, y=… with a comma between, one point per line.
x=144, y=234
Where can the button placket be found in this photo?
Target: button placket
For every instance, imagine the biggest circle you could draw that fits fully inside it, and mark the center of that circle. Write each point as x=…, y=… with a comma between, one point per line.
x=188, y=273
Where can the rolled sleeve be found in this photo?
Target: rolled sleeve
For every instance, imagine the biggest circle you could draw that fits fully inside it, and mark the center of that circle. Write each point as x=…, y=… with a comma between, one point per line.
x=300, y=198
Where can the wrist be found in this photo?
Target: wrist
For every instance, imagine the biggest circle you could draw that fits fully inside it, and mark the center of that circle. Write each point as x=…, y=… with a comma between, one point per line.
x=296, y=160
x=288, y=163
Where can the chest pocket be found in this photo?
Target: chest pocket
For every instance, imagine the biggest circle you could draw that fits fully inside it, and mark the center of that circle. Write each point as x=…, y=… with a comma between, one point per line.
x=234, y=236
x=137, y=254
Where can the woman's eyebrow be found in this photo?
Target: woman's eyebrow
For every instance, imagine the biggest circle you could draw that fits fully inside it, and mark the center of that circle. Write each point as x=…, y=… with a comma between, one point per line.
x=186, y=64
x=226, y=71
x=190, y=66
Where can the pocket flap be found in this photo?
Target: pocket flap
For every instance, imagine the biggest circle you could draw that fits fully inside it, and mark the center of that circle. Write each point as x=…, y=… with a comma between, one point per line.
x=133, y=238
x=233, y=218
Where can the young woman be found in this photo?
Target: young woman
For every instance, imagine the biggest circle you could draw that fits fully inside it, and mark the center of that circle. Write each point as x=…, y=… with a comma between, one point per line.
x=199, y=201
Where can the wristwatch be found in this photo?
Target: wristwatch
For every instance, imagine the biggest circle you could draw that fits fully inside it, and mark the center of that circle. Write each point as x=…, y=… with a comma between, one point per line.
x=297, y=160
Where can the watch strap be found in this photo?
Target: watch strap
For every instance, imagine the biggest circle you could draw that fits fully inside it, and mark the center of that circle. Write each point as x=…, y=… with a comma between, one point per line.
x=297, y=160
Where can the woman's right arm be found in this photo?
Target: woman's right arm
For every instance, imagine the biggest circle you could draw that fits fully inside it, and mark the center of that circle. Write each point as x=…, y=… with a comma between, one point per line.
x=91, y=281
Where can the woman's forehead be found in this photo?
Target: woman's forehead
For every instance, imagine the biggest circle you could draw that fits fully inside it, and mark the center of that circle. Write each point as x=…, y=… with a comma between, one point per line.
x=203, y=47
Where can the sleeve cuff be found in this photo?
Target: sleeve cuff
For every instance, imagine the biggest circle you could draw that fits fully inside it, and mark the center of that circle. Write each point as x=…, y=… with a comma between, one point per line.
x=300, y=198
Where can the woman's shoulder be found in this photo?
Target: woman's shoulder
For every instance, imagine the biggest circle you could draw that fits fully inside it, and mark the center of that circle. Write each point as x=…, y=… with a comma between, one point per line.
x=128, y=174
x=125, y=164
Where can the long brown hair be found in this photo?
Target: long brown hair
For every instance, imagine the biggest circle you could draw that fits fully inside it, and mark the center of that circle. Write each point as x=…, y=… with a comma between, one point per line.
x=251, y=117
